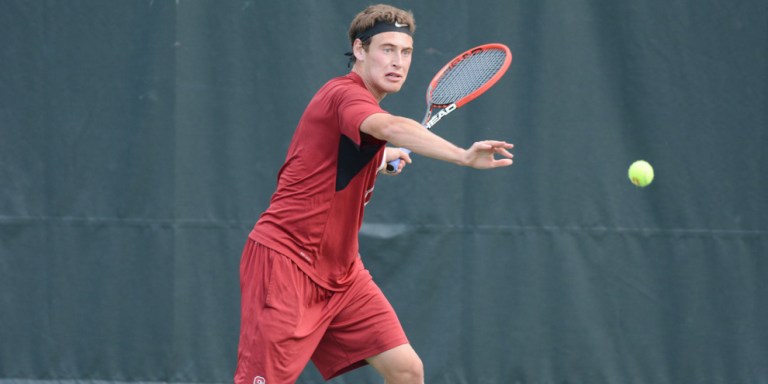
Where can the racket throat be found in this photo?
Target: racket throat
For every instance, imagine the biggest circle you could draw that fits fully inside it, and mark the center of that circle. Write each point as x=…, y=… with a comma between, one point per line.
x=434, y=119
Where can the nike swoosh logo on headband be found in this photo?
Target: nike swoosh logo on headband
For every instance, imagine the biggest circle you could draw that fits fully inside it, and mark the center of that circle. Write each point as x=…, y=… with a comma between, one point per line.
x=398, y=25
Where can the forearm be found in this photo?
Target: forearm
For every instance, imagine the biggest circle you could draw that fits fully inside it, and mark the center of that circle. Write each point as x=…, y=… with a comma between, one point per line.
x=408, y=133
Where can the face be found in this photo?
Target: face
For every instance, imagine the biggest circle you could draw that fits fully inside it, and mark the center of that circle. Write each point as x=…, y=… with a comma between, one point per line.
x=385, y=65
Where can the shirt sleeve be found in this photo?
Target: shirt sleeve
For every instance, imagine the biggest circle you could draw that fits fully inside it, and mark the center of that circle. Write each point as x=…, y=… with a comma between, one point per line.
x=355, y=105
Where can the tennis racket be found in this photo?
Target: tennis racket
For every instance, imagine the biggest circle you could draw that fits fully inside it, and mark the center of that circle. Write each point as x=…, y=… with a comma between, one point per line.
x=462, y=80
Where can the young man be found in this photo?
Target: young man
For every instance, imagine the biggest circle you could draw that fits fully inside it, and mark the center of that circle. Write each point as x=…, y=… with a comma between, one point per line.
x=305, y=292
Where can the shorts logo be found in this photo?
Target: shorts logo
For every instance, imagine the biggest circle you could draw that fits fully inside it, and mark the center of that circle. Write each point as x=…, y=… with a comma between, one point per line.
x=259, y=380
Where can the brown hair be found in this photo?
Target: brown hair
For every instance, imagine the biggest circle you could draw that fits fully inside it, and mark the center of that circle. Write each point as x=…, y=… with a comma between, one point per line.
x=375, y=13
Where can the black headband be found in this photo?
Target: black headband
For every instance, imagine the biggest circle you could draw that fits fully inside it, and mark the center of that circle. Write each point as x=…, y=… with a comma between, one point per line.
x=378, y=27
x=383, y=26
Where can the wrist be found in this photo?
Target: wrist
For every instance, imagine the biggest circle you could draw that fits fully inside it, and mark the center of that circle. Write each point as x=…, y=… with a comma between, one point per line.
x=462, y=157
x=383, y=164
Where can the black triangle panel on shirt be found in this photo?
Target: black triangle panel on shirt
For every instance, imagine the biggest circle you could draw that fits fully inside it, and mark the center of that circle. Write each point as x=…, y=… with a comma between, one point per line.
x=352, y=159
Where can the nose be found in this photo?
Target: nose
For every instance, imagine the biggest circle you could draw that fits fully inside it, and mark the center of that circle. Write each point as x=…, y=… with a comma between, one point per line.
x=397, y=60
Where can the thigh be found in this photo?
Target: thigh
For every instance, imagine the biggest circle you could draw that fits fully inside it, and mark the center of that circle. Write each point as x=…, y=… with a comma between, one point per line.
x=277, y=300
x=365, y=326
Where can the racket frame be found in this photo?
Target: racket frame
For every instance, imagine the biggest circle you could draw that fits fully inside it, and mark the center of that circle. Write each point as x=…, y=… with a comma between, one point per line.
x=429, y=121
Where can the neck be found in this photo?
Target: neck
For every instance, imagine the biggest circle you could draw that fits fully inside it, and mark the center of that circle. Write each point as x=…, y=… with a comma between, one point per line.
x=378, y=95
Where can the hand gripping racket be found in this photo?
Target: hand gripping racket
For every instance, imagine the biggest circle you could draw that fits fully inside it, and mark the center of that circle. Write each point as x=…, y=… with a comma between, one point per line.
x=462, y=80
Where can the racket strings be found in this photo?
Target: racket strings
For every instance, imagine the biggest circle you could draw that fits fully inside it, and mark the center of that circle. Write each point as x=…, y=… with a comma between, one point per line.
x=467, y=76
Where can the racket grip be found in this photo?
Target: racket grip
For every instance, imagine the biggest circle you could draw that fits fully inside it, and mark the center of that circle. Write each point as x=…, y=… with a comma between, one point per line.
x=392, y=165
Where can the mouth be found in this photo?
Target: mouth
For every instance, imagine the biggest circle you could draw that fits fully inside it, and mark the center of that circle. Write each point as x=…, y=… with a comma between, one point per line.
x=394, y=76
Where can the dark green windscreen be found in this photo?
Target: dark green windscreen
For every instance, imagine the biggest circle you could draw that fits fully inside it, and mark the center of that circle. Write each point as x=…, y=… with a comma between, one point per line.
x=140, y=140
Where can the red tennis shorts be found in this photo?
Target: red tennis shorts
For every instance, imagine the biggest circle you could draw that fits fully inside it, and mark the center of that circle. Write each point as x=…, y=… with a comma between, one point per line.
x=287, y=319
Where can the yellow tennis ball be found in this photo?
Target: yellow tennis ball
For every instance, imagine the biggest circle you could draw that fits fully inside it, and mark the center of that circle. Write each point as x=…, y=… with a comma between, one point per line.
x=640, y=173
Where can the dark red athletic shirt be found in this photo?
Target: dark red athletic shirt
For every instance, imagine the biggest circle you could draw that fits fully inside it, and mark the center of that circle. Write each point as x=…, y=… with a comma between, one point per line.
x=316, y=212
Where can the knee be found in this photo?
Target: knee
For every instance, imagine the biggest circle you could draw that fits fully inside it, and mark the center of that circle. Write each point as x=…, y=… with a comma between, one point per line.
x=410, y=372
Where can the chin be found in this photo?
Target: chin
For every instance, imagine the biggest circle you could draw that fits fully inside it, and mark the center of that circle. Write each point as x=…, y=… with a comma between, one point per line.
x=393, y=89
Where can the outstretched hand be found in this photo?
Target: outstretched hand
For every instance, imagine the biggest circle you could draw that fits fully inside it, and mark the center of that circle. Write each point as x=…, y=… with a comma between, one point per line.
x=482, y=154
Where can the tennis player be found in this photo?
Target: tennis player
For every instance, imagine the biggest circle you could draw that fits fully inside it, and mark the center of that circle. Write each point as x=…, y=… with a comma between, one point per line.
x=305, y=292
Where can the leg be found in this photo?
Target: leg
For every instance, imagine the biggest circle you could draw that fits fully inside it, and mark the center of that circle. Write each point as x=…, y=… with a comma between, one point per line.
x=277, y=302
x=399, y=365
x=364, y=326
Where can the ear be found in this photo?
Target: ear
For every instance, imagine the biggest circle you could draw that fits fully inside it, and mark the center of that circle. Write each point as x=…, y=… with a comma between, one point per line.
x=358, y=50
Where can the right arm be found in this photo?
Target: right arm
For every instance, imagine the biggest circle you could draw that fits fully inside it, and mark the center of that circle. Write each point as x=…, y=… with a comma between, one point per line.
x=408, y=133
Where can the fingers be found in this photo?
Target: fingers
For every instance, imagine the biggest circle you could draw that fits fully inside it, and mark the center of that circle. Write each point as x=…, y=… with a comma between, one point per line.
x=500, y=147
x=493, y=144
x=391, y=154
x=485, y=152
x=406, y=158
x=502, y=163
x=498, y=144
x=503, y=152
